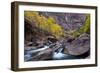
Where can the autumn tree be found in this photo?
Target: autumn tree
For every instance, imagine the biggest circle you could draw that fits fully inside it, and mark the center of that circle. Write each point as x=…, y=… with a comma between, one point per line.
x=44, y=24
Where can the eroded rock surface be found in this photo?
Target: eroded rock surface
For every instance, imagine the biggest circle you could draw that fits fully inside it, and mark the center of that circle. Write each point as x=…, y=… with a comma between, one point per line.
x=78, y=46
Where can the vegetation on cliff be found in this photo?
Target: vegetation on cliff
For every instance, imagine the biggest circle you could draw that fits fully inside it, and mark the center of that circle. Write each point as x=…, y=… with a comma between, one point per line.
x=83, y=29
x=45, y=24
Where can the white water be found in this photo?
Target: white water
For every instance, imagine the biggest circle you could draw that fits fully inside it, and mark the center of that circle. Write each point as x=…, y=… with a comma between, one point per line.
x=40, y=49
x=57, y=55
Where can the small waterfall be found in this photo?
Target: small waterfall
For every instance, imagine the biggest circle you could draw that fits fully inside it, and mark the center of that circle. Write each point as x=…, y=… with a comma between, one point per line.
x=58, y=54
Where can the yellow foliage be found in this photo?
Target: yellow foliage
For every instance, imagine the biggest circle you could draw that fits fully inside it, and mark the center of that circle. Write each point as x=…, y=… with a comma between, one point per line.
x=56, y=30
x=43, y=23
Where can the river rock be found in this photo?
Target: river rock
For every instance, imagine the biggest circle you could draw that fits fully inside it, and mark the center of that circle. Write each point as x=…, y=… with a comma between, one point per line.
x=42, y=55
x=78, y=46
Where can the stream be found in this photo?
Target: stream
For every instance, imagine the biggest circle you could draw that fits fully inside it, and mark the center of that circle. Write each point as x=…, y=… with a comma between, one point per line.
x=57, y=54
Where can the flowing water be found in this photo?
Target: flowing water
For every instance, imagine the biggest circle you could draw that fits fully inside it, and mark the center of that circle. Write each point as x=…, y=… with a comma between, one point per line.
x=57, y=54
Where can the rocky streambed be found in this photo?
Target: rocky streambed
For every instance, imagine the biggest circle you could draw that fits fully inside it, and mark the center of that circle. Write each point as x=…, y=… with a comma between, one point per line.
x=78, y=48
x=44, y=42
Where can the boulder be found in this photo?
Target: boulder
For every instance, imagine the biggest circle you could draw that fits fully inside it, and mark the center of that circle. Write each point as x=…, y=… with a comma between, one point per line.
x=78, y=46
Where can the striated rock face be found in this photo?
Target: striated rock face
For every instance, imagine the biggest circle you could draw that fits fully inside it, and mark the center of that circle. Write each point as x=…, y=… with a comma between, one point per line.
x=68, y=21
x=78, y=46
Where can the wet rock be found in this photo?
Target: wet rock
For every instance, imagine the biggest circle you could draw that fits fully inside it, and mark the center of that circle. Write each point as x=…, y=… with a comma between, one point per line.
x=78, y=46
x=65, y=51
x=42, y=55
